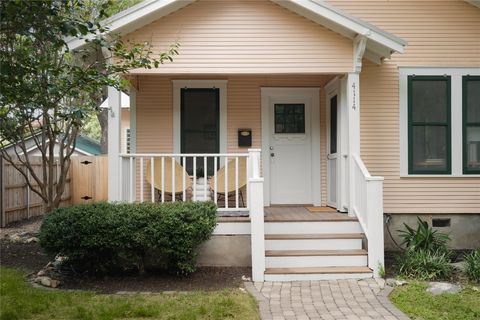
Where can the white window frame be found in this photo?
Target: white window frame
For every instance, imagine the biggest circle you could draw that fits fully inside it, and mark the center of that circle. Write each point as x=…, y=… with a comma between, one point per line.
x=180, y=84
x=456, y=74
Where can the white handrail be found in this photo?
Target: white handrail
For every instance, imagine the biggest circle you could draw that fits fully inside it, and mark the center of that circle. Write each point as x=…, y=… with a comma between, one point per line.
x=367, y=205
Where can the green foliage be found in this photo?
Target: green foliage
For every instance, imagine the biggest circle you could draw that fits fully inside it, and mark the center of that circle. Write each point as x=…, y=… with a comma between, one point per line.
x=424, y=265
x=381, y=270
x=423, y=238
x=48, y=91
x=20, y=301
x=106, y=237
x=417, y=303
x=472, y=266
x=91, y=127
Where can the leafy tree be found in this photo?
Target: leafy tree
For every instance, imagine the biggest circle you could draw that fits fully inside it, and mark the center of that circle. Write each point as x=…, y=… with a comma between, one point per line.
x=47, y=92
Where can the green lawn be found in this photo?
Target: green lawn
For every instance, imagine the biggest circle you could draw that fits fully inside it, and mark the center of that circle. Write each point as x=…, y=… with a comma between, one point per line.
x=419, y=304
x=18, y=300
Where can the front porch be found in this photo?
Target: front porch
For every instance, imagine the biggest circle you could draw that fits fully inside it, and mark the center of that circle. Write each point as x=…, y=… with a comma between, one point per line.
x=256, y=150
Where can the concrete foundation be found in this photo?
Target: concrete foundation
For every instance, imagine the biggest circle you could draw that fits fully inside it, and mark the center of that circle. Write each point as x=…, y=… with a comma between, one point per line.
x=226, y=251
x=464, y=230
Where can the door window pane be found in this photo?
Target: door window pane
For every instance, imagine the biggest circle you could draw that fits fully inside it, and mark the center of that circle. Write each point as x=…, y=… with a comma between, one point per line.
x=333, y=125
x=471, y=118
x=289, y=118
x=429, y=124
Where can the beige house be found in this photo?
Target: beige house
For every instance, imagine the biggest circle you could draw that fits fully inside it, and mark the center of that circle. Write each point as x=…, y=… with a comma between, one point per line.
x=346, y=113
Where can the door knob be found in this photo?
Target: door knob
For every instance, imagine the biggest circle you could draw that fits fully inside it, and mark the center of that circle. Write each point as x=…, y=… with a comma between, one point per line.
x=272, y=154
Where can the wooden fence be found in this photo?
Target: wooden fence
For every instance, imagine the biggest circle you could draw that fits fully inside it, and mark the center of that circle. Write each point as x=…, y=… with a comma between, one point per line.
x=87, y=182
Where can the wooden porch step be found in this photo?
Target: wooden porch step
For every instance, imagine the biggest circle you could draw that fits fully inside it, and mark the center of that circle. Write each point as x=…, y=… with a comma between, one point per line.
x=304, y=253
x=314, y=236
x=318, y=270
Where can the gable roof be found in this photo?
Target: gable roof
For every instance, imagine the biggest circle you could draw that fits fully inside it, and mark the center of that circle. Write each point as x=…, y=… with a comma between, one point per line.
x=380, y=44
x=83, y=145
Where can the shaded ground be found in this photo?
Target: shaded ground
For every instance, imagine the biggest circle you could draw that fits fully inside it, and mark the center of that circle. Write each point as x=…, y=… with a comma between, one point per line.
x=31, y=258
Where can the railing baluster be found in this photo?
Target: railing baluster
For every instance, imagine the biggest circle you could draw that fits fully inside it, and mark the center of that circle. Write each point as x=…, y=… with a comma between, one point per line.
x=131, y=197
x=215, y=179
x=226, y=182
x=236, y=182
x=142, y=179
x=194, y=178
x=205, y=178
x=184, y=180
x=152, y=176
x=163, y=179
x=173, y=179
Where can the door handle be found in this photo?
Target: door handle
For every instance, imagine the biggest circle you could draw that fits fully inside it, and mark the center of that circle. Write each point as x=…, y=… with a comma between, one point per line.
x=272, y=154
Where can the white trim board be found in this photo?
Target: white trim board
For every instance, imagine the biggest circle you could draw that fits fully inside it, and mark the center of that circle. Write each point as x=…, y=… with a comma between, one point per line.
x=179, y=84
x=267, y=94
x=456, y=116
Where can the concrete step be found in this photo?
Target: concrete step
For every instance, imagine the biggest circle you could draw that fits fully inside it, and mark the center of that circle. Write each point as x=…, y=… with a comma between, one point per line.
x=312, y=227
x=317, y=273
x=314, y=258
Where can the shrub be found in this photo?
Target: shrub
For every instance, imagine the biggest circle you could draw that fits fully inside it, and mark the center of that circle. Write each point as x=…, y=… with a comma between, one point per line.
x=424, y=238
x=105, y=237
x=424, y=265
x=472, y=266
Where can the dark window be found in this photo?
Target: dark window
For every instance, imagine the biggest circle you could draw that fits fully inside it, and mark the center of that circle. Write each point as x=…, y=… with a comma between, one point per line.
x=200, y=110
x=471, y=124
x=429, y=124
x=333, y=125
x=127, y=139
x=289, y=118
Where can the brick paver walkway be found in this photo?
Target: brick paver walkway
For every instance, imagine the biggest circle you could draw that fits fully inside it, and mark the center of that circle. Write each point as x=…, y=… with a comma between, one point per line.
x=336, y=299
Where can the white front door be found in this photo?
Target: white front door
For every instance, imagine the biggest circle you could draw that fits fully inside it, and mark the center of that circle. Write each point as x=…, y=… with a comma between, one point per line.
x=332, y=151
x=290, y=150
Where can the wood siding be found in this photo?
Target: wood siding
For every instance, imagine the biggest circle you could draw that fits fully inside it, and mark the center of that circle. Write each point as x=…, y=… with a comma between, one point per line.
x=439, y=33
x=245, y=36
x=155, y=111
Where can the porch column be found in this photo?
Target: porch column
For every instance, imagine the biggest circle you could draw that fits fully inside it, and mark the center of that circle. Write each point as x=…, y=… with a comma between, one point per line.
x=114, y=145
x=353, y=106
x=255, y=201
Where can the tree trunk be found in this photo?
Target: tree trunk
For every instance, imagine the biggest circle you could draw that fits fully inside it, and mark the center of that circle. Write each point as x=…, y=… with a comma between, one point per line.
x=103, y=119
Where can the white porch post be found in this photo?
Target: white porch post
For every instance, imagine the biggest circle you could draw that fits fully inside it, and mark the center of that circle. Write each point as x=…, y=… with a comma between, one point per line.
x=114, y=119
x=255, y=199
x=353, y=106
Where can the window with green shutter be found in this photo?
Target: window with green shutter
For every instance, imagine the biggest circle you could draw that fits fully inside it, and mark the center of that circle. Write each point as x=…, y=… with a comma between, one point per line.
x=429, y=136
x=471, y=124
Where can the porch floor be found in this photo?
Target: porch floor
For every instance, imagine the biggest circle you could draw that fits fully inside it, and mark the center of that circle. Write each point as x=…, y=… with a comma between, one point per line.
x=296, y=213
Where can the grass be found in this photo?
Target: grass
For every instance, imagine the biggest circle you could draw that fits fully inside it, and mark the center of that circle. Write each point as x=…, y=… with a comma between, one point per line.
x=419, y=304
x=18, y=300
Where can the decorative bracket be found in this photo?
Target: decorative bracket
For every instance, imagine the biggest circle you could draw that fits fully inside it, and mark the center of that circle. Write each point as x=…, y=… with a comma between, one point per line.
x=359, y=45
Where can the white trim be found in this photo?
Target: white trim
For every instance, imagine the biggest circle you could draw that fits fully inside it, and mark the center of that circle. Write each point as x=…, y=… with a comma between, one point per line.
x=114, y=147
x=267, y=94
x=179, y=84
x=133, y=120
x=333, y=89
x=456, y=116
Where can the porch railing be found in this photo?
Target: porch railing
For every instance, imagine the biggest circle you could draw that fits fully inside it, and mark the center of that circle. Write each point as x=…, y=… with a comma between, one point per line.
x=162, y=177
x=368, y=207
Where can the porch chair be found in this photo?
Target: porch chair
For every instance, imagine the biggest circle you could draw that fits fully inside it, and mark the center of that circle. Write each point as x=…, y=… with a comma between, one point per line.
x=242, y=180
x=168, y=187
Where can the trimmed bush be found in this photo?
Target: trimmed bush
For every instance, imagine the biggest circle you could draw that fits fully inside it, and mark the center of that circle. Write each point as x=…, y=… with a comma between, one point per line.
x=105, y=237
x=472, y=266
x=424, y=265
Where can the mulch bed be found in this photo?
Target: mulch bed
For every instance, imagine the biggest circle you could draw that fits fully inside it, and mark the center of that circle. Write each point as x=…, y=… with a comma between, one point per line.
x=31, y=258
